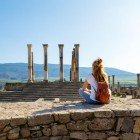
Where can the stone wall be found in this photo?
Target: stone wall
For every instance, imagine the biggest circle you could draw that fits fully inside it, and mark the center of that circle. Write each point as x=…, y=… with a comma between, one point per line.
x=14, y=86
x=82, y=125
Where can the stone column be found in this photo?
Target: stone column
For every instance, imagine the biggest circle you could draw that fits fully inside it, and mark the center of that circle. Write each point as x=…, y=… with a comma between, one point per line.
x=45, y=46
x=30, y=71
x=61, y=61
x=118, y=88
x=73, y=62
x=113, y=82
x=77, y=61
x=33, y=68
x=109, y=80
x=138, y=80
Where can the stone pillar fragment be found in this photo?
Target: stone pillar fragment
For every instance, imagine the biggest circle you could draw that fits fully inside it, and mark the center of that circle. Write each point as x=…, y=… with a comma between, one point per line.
x=109, y=80
x=77, y=61
x=138, y=80
x=118, y=88
x=33, y=68
x=30, y=71
x=61, y=61
x=113, y=82
x=45, y=47
x=73, y=65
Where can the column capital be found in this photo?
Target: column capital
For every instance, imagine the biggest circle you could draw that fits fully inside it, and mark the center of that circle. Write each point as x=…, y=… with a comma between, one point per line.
x=29, y=45
x=77, y=45
x=45, y=45
x=61, y=45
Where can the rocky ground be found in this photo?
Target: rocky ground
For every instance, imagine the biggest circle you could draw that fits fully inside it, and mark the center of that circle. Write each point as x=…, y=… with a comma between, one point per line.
x=23, y=109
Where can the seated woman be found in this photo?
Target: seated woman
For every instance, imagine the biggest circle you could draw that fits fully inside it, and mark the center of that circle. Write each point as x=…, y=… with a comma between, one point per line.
x=98, y=74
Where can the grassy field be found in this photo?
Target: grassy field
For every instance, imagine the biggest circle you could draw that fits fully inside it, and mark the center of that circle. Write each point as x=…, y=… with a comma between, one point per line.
x=124, y=81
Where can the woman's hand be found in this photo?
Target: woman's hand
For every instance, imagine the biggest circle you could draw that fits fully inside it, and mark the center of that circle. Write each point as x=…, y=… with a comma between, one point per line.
x=85, y=85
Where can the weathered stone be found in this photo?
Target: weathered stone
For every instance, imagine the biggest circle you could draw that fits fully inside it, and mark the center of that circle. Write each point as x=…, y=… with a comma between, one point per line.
x=103, y=113
x=79, y=125
x=66, y=138
x=135, y=112
x=41, y=138
x=130, y=136
x=35, y=128
x=97, y=135
x=46, y=131
x=41, y=119
x=119, y=124
x=13, y=134
x=127, y=124
x=3, y=123
x=3, y=136
x=59, y=130
x=102, y=124
x=36, y=134
x=18, y=121
x=80, y=115
x=7, y=128
x=56, y=138
x=113, y=138
x=78, y=135
x=25, y=132
x=62, y=117
x=122, y=112
x=137, y=126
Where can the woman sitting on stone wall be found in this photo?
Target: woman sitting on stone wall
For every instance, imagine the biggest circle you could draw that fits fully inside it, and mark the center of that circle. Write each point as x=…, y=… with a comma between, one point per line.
x=98, y=74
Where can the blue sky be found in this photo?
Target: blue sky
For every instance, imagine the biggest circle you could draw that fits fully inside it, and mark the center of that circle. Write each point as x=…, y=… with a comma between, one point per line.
x=109, y=29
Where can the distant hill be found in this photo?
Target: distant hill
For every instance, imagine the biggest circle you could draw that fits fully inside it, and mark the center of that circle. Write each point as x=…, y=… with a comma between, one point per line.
x=19, y=71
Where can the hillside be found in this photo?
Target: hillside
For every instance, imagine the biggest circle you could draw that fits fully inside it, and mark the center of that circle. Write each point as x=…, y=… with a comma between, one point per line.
x=19, y=71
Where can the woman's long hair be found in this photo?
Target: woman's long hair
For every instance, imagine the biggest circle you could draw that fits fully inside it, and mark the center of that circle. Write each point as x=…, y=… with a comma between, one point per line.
x=98, y=71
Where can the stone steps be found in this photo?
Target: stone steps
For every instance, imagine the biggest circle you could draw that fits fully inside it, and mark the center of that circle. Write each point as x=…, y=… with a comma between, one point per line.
x=47, y=91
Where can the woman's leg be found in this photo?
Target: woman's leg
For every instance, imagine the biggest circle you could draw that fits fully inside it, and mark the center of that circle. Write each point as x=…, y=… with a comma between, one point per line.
x=86, y=96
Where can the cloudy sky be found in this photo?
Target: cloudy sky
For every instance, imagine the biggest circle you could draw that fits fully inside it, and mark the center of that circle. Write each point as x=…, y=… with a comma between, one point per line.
x=109, y=29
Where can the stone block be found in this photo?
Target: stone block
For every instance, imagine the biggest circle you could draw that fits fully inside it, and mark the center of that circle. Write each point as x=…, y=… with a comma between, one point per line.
x=25, y=132
x=46, y=131
x=79, y=125
x=13, y=134
x=125, y=124
x=36, y=134
x=113, y=138
x=103, y=113
x=130, y=136
x=137, y=125
x=78, y=135
x=18, y=121
x=3, y=123
x=102, y=124
x=62, y=117
x=41, y=138
x=7, y=128
x=81, y=115
x=40, y=119
x=56, y=138
x=97, y=135
x=3, y=136
x=121, y=112
x=59, y=130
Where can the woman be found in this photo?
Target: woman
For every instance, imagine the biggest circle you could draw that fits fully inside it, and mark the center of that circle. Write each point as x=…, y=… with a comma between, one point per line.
x=98, y=74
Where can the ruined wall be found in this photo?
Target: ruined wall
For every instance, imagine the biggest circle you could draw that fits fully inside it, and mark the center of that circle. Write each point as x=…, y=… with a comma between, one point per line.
x=14, y=86
x=83, y=125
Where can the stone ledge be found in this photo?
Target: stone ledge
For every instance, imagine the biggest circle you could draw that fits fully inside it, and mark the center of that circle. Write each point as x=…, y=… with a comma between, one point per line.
x=70, y=120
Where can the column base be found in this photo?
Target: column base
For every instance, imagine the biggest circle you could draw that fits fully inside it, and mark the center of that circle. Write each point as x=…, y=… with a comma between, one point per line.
x=30, y=81
x=46, y=81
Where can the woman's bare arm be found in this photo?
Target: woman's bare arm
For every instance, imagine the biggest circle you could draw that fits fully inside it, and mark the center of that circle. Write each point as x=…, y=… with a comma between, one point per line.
x=85, y=85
